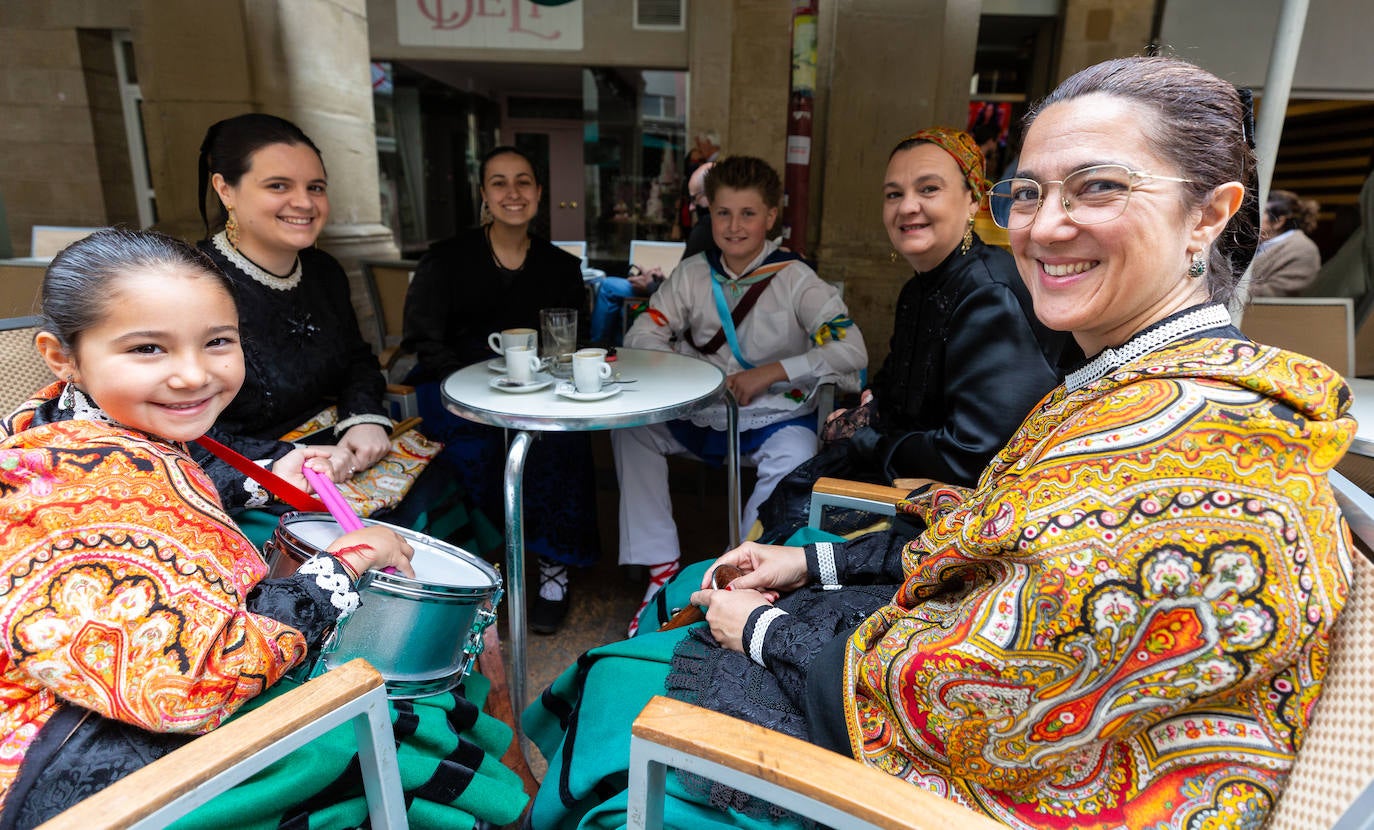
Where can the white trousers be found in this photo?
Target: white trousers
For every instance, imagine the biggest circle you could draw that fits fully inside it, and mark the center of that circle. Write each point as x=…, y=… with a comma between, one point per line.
x=648, y=534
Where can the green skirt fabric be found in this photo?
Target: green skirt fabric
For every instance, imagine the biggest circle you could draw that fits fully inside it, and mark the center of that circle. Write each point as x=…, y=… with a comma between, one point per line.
x=582, y=722
x=449, y=755
x=582, y=726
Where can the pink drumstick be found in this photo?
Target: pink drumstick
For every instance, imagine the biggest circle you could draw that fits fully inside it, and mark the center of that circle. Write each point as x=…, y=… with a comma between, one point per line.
x=336, y=504
x=333, y=500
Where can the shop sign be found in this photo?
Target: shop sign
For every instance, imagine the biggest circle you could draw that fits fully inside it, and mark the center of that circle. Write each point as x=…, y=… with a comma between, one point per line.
x=489, y=24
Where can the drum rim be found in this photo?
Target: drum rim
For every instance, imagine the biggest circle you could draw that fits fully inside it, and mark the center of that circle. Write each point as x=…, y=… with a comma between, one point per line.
x=407, y=585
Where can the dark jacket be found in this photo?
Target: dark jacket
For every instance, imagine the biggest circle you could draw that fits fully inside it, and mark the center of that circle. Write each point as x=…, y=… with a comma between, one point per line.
x=968, y=361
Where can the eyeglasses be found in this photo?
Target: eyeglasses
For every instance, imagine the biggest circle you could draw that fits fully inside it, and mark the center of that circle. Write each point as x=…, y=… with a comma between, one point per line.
x=1089, y=196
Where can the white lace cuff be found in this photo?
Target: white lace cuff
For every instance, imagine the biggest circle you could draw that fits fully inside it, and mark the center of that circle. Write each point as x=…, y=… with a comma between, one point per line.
x=329, y=575
x=760, y=631
x=343, y=426
x=825, y=566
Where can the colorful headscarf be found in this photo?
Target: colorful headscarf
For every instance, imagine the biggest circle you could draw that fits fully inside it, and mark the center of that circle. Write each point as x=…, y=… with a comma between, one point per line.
x=965, y=151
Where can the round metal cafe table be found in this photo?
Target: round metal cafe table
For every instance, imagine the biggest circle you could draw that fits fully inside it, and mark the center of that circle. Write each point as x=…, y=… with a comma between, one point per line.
x=658, y=386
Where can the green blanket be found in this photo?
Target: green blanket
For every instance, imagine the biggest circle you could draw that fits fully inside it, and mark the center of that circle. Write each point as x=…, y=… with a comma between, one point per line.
x=449, y=753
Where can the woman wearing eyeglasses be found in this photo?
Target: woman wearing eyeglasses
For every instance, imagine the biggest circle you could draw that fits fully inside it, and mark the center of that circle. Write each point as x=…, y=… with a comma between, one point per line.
x=1125, y=623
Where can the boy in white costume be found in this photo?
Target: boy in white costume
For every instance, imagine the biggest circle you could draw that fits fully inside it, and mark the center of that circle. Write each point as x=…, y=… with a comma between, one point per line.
x=788, y=332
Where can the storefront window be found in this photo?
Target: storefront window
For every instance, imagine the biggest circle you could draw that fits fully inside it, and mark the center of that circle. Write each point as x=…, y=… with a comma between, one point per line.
x=635, y=143
x=611, y=148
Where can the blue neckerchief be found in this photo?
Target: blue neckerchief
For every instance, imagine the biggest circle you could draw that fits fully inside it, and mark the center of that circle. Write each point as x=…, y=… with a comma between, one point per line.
x=738, y=286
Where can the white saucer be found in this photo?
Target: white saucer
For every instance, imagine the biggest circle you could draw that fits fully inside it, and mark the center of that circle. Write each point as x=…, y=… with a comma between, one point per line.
x=504, y=384
x=497, y=365
x=569, y=391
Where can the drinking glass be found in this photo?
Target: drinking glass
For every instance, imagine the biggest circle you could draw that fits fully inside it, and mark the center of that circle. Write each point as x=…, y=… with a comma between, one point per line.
x=558, y=337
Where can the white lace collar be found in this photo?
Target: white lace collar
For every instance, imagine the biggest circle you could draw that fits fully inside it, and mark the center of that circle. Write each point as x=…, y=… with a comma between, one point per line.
x=247, y=266
x=85, y=409
x=1188, y=323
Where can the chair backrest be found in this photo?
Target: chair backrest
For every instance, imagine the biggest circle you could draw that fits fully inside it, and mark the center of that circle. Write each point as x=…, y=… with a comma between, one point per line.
x=387, y=283
x=19, y=284
x=665, y=255
x=577, y=249
x=1320, y=327
x=22, y=370
x=47, y=240
x=1364, y=348
x=1336, y=760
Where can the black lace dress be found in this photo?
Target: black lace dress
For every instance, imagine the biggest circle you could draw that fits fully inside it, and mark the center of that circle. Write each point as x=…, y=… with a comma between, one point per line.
x=790, y=679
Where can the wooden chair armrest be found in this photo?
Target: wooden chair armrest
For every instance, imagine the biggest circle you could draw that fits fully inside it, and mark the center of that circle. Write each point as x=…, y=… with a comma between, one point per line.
x=402, y=427
x=837, y=780
x=126, y=801
x=859, y=490
x=906, y=485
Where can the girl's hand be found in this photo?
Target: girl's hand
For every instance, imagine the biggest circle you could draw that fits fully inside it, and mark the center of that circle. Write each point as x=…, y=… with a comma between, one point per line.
x=771, y=569
x=727, y=611
x=749, y=384
x=318, y=459
x=369, y=444
x=374, y=547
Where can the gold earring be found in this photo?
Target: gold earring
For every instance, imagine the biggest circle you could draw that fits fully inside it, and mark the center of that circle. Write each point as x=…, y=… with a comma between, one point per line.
x=968, y=238
x=231, y=229
x=484, y=216
x=892, y=255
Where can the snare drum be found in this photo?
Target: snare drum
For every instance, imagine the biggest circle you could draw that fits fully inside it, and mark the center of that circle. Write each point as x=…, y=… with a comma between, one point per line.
x=422, y=634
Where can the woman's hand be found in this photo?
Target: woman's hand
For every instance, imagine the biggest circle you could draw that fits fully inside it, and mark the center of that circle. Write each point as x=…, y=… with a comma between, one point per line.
x=749, y=384
x=369, y=444
x=772, y=569
x=343, y=464
x=319, y=459
x=864, y=397
x=727, y=611
x=374, y=547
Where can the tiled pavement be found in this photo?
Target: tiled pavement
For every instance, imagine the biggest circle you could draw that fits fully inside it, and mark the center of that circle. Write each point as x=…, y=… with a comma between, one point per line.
x=603, y=598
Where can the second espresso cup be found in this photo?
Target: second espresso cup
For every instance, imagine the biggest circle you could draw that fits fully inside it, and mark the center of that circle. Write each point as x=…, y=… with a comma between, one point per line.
x=589, y=369
x=521, y=364
x=502, y=340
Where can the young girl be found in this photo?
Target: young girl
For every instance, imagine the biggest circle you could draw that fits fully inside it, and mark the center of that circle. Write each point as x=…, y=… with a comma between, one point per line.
x=132, y=608
x=790, y=331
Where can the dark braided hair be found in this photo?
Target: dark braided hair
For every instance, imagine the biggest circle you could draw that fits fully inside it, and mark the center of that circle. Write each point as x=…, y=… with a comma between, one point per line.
x=76, y=286
x=228, y=149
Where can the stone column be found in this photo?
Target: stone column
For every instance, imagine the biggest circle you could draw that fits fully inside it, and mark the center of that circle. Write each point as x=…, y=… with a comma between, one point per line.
x=305, y=60
x=886, y=69
x=1097, y=30
x=310, y=64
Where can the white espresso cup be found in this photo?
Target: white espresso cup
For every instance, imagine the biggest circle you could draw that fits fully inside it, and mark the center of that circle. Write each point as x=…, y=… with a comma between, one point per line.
x=590, y=368
x=502, y=340
x=521, y=364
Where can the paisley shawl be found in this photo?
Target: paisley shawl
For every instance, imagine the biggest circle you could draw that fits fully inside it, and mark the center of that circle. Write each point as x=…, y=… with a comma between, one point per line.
x=1126, y=623
x=122, y=586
